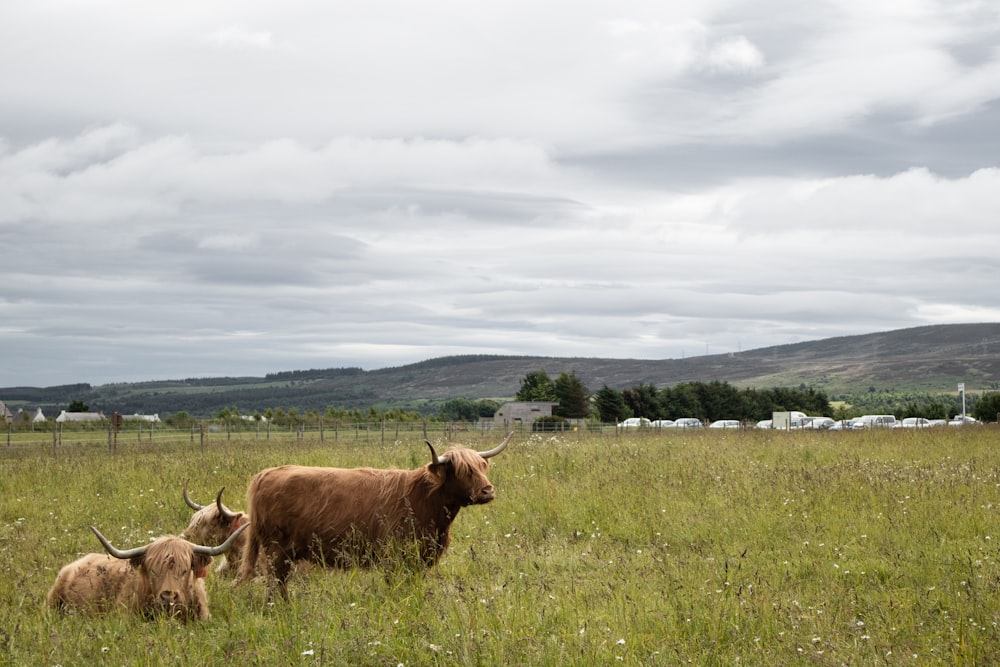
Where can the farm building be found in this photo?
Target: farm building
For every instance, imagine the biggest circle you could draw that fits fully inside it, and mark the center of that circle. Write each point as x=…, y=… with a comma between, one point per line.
x=79, y=416
x=155, y=418
x=5, y=414
x=523, y=412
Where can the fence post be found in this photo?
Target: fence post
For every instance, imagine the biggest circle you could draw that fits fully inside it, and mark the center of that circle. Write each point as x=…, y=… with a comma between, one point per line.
x=202, y=427
x=53, y=443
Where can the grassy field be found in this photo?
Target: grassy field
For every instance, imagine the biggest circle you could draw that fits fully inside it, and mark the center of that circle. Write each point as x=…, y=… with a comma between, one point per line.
x=713, y=548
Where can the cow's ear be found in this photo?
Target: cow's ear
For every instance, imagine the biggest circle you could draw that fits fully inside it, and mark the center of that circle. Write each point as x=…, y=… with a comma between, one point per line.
x=200, y=565
x=137, y=561
x=440, y=470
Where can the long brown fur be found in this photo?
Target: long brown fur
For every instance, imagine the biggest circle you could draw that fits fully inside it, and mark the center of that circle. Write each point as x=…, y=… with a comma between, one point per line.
x=340, y=517
x=168, y=578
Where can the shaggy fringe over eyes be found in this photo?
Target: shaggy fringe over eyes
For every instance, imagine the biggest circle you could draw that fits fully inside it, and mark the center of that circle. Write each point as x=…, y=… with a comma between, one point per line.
x=465, y=462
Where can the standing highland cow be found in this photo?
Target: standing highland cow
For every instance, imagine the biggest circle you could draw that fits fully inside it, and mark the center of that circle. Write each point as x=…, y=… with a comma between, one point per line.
x=164, y=576
x=340, y=517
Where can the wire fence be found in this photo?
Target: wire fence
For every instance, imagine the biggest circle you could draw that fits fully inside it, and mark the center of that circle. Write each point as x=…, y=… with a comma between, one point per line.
x=145, y=436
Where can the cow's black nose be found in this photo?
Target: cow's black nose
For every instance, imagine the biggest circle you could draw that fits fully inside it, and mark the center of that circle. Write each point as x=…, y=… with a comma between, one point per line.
x=170, y=597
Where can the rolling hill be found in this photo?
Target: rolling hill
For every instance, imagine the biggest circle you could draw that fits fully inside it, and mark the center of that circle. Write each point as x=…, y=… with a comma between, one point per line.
x=930, y=359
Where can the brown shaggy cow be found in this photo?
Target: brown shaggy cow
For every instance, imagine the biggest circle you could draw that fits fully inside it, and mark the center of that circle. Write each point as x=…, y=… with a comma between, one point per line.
x=340, y=517
x=166, y=575
x=212, y=524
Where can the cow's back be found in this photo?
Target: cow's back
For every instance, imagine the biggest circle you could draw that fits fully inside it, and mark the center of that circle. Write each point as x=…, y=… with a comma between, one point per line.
x=297, y=504
x=94, y=582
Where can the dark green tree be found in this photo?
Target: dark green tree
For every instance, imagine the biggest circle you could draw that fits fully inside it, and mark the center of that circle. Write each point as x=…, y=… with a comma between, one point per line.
x=76, y=405
x=642, y=400
x=610, y=405
x=458, y=409
x=573, y=397
x=537, y=386
x=719, y=400
x=680, y=401
x=487, y=407
x=180, y=419
x=987, y=407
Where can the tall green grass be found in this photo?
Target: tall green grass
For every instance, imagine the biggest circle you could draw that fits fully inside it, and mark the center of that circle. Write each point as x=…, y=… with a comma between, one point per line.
x=647, y=549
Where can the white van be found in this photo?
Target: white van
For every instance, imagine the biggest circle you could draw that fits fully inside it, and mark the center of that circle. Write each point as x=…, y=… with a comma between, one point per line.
x=877, y=421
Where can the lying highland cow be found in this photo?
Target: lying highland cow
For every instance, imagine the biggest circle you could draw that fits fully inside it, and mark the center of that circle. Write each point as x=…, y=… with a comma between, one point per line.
x=164, y=576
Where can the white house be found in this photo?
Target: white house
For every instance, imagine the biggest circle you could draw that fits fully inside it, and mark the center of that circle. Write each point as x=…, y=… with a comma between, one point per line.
x=155, y=418
x=79, y=417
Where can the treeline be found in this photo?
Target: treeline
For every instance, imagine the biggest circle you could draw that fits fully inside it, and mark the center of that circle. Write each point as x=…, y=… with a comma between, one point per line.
x=707, y=401
x=316, y=373
x=914, y=404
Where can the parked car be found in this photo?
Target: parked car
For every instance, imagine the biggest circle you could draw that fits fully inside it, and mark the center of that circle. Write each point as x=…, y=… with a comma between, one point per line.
x=961, y=420
x=876, y=421
x=635, y=422
x=725, y=423
x=916, y=422
x=818, y=423
x=841, y=425
x=764, y=423
x=662, y=423
x=687, y=422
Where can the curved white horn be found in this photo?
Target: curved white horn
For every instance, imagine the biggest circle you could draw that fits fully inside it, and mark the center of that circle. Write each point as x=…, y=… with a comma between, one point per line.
x=119, y=553
x=434, y=457
x=499, y=448
x=190, y=503
x=222, y=548
x=223, y=510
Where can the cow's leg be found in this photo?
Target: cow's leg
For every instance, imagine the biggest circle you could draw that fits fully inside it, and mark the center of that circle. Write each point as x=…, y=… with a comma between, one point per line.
x=279, y=565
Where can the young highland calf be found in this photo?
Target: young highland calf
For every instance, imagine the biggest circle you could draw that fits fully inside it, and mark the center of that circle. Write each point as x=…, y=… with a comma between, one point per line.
x=211, y=524
x=164, y=576
x=339, y=517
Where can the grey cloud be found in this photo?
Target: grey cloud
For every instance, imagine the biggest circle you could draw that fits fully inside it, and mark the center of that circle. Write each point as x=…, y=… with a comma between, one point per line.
x=882, y=145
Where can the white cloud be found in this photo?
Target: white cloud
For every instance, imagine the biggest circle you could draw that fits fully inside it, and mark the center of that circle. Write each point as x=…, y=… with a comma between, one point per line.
x=236, y=36
x=735, y=55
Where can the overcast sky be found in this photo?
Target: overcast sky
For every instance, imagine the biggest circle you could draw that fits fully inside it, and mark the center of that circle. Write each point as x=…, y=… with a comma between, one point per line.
x=197, y=188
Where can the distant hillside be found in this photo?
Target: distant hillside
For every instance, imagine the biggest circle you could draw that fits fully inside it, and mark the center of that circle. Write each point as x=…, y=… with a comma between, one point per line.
x=930, y=359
